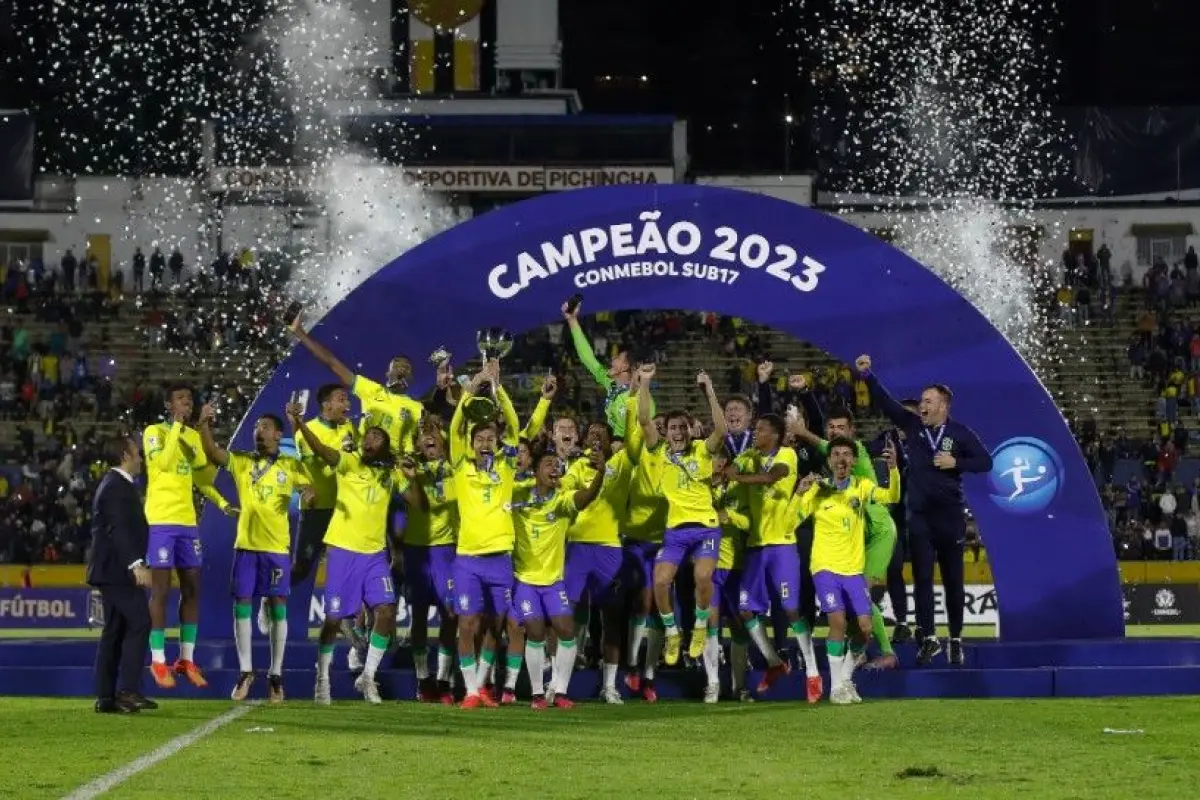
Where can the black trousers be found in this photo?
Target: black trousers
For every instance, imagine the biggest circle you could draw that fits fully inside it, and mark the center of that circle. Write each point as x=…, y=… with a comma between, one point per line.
x=124, y=641
x=937, y=536
x=808, y=590
x=897, y=591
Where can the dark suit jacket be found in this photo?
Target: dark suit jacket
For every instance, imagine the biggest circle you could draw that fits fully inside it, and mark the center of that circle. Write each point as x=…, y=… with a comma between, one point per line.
x=120, y=532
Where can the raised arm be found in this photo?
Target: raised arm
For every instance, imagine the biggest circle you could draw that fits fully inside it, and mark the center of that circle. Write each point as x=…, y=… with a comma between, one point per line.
x=321, y=450
x=460, y=438
x=644, y=402
x=204, y=479
x=212, y=451
x=583, y=350
x=512, y=423
x=635, y=438
x=584, y=497
x=763, y=396
x=410, y=489
x=716, y=439
x=891, y=408
x=321, y=353
x=537, y=420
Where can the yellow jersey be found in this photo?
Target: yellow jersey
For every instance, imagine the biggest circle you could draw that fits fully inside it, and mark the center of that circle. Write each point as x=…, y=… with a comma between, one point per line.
x=438, y=525
x=397, y=414
x=770, y=522
x=647, y=507
x=839, y=520
x=359, y=522
x=264, y=487
x=485, y=504
x=321, y=476
x=600, y=522
x=731, y=498
x=541, y=535
x=173, y=453
x=687, y=485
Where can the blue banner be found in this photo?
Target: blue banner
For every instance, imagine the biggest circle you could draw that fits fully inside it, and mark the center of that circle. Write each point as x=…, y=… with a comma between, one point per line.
x=44, y=608
x=791, y=268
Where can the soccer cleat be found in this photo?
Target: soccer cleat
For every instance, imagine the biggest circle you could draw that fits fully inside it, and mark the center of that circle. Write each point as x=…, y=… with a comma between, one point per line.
x=814, y=689
x=648, y=693
x=931, y=648
x=712, y=693
x=956, y=653
x=696, y=648
x=365, y=685
x=852, y=690
x=633, y=682
x=902, y=634
x=354, y=660
x=773, y=674
x=611, y=696
x=427, y=691
x=447, y=698
x=485, y=694
x=264, y=621
x=550, y=694
x=539, y=704
x=508, y=697
x=674, y=643
x=321, y=693
x=275, y=689
x=471, y=701
x=189, y=670
x=883, y=662
x=744, y=696
x=242, y=689
x=840, y=696
x=164, y=678
x=562, y=702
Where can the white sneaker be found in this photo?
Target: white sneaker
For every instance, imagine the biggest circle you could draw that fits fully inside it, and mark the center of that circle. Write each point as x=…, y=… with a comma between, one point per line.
x=612, y=696
x=840, y=696
x=321, y=693
x=354, y=660
x=365, y=684
x=852, y=690
x=264, y=621
x=712, y=693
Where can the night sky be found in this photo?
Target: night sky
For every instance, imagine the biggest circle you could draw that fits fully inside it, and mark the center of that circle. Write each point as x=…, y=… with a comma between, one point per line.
x=734, y=75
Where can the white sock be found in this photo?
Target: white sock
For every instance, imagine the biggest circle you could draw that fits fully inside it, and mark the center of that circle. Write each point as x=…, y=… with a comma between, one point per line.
x=836, y=670
x=470, y=674
x=803, y=637
x=486, y=670
x=849, y=663
x=759, y=637
x=712, y=658
x=186, y=650
x=739, y=663
x=654, y=647
x=158, y=655
x=374, y=655
x=564, y=664
x=445, y=665
x=512, y=671
x=420, y=657
x=610, y=676
x=535, y=665
x=637, y=637
x=324, y=659
x=242, y=632
x=279, y=634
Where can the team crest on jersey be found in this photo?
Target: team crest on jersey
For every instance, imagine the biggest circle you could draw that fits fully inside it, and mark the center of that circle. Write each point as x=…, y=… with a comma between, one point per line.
x=610, y=472
x=281, y=477
x=164, y=555
x=550, y=517
x=947, y=444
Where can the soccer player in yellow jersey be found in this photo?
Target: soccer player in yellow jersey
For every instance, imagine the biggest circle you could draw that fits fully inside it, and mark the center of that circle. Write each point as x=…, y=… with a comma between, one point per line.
x=692, y=526
x=729, y=499
x=594, y=553
x=772, y=576
x=174, y=464
x=484, y=467
x=357, y=565
x=839, y=511
x=427, y=546
x=643, y=533
x=333, y=429
x=542, y=516
x=262, y=567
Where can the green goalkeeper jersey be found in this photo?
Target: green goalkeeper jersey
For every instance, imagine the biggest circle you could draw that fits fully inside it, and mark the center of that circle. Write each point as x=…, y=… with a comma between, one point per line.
x=615, y=394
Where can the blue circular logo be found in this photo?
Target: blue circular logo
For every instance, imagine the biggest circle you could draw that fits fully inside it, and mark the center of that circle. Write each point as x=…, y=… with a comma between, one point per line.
x=1026, y=475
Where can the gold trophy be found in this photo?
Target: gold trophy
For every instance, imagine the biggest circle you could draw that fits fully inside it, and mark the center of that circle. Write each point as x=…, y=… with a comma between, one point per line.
x=494, y=343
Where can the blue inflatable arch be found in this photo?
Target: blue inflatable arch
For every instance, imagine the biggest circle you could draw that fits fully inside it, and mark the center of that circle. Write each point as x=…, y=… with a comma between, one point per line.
x=792, y=268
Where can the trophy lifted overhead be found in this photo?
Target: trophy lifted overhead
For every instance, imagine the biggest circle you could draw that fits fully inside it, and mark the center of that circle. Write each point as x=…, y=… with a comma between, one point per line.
x=494, y=343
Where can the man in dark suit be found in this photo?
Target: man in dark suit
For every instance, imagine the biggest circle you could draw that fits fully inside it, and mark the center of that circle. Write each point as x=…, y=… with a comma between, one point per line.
x=116, y=568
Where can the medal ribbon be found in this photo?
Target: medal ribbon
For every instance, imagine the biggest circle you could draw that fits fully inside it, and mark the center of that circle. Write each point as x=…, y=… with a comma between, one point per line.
x=934, y=442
